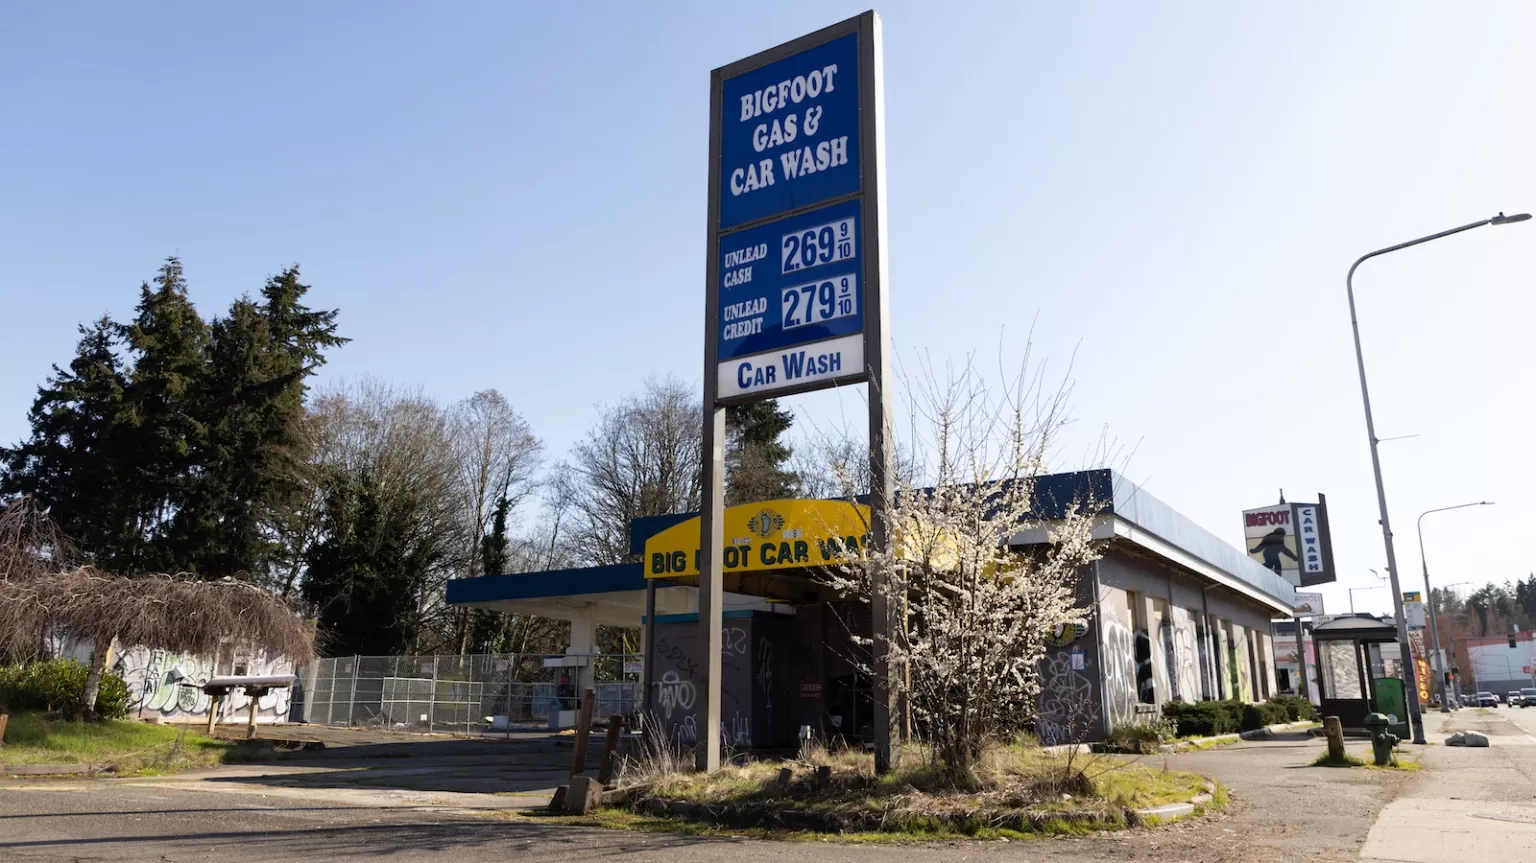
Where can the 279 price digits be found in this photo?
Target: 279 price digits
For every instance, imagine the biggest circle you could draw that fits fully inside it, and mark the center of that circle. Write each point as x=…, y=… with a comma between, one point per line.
x=813, y=247
x=821, y=301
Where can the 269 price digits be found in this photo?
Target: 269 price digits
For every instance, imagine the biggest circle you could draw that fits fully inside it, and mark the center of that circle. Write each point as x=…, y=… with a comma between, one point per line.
x=813, y=247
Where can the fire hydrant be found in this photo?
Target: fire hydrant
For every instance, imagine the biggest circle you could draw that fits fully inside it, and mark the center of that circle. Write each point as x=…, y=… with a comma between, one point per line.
x=1382, y=740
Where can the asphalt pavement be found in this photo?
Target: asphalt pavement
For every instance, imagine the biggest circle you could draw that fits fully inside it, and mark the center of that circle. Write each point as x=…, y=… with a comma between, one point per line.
x=411, y=808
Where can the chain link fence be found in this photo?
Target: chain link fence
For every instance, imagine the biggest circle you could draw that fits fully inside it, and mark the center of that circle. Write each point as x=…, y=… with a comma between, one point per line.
x=459, y=694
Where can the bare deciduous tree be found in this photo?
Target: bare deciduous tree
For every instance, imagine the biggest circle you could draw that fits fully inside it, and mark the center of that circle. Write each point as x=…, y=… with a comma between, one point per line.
x=497, y=455
x=642, y=458
x=30, y=544
x=394, y=512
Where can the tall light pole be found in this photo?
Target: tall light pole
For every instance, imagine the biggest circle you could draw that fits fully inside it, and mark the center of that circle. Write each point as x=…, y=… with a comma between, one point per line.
x=1434, y=626
x=1414, y=712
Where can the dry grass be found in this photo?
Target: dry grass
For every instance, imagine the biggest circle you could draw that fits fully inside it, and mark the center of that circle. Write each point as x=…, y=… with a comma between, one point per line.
x=156, y=611
x=1010, y=784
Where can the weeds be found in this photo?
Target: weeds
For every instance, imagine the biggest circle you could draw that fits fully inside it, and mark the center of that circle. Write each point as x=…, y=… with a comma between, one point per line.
x=1328, y=760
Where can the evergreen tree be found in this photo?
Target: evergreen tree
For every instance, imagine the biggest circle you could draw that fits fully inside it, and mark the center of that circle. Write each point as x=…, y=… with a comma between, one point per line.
x=755, y=454
x=172, y=445
x=363, y=578
x=493, y=548
x=488, y=630
x=168, y=345
x=69, y=463
x=253, y=450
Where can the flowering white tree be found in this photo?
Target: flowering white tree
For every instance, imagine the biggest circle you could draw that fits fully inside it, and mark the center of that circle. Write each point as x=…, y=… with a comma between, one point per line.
x=977, y=611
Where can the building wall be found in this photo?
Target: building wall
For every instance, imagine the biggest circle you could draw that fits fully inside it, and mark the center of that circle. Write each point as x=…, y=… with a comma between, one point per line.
x=756, y=656
x=1497, y=667
x=1071, y=700
x=153, y=676
x=1192, y=656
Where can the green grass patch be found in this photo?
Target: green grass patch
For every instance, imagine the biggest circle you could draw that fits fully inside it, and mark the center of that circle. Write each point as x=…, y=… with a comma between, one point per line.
x=34, y=738
x=1326, y=760
x=1399, y=762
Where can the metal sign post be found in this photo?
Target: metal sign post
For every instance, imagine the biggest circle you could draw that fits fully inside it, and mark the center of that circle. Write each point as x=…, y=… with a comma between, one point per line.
x=795, y=285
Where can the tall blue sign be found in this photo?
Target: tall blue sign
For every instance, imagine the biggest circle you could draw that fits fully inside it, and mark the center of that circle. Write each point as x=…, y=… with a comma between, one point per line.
x=790, y=135
x=795, y=293
x=791, y=229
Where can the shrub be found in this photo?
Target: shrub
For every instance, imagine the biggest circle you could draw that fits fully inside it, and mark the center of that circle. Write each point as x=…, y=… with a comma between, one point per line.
x=1256, y=716
x=1204, y=718
x=1297, y=709
x=57, y=686
x=1140, y=736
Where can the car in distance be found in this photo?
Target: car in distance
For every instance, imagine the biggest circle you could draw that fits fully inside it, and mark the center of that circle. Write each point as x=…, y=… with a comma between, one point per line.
x=1487, y=699
x=1512, y=697
x=1527, y=696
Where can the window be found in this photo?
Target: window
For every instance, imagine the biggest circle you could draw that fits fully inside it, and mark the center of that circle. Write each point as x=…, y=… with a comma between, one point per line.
x=1162, y=624
x=1146, y=691
x=1229, y=648
x=1258, y=683
x=1203, y=640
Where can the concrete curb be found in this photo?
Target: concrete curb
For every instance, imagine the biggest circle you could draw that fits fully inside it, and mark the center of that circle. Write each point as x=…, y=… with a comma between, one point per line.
x=1221, y=739
x=52, y=769
x=1174, y=811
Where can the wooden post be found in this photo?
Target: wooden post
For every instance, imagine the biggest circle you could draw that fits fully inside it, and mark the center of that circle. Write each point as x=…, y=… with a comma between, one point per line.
x=250, y=722
x=615, y=728
x=583, y=731
x=213, y=712
x=1335, y=731
x=4, y=718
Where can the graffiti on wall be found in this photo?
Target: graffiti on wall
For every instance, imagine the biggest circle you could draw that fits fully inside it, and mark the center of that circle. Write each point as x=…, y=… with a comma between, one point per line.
x=1186, y=655
x=673, y=693
x=1237, y=649
x=677, y=687
x=1067, y=706
x=155, y=678
x=1119, y=661
x=765, y=671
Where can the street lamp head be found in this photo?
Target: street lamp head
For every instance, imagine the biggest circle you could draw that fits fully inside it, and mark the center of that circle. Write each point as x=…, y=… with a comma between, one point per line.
x=1502, y=219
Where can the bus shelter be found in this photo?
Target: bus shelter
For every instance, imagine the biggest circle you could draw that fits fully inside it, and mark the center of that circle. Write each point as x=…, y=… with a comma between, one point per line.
x=1352, y=660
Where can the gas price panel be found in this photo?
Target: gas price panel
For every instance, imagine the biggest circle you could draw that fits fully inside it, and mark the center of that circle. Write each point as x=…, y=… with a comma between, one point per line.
x=791, y=282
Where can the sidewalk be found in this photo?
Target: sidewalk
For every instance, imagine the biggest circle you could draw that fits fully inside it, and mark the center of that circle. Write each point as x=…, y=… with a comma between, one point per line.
x=1466, y=804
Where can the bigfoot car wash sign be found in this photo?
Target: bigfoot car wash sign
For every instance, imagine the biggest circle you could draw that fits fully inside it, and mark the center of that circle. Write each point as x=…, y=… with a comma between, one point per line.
x=1293, y=540
x=795, y=230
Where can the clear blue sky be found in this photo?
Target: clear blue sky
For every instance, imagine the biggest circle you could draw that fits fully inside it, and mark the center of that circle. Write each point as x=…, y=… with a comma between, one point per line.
x=512, y=196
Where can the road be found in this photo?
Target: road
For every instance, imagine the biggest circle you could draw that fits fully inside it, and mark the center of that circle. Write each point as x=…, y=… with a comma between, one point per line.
x=401, y=809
